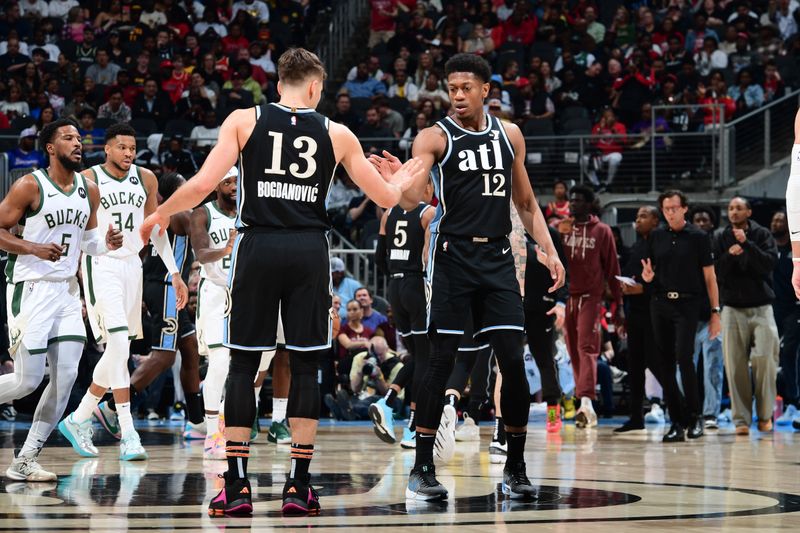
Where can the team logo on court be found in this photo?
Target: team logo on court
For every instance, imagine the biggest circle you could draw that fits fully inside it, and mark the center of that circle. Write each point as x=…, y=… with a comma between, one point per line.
x=171, y=327
x=134, y=180
x=81, y=192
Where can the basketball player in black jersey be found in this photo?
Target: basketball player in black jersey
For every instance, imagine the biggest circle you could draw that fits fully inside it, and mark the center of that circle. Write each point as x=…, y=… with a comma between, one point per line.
x=287, y=155
x=478, y=167
x=400, y=254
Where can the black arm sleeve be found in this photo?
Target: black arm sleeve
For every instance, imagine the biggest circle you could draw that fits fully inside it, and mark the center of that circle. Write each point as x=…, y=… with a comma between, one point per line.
x=381, y=255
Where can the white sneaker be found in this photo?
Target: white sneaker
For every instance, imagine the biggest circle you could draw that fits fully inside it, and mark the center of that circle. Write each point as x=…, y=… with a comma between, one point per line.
x=79, y=435
x=195, y=431
x=788, y=415
x=617, y=375
x=445, y=445
x=498, y=452
x=585, y=418
x=27, y=468
x=468, y=431
x=131, y=449
x=655, y=416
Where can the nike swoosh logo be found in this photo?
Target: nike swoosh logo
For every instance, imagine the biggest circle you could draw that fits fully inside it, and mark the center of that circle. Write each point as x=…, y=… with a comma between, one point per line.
x=506, y=250
x=795, y=232
x=459, y=137
x=548, y=330
x=215, y=218
x=104, y=182
x=51, y=195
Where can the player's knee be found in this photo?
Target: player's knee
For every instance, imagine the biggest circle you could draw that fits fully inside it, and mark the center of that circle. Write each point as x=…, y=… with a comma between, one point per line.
x=243, y=366
x=304, y=396
x=27, y=383
x=507, y=345
x=304, y=363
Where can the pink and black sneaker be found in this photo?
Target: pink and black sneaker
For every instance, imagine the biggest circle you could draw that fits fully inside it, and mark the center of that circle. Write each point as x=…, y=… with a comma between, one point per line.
x=235, y=499
x=300, y=498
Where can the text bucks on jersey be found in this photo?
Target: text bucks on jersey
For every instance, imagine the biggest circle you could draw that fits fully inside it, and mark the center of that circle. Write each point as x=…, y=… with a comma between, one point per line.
x=122, y=202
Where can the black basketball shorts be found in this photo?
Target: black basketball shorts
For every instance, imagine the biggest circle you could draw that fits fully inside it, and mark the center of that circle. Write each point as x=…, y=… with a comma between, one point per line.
x=167, y=324
x=280, y=271
x=480, y=276
x=409, y=304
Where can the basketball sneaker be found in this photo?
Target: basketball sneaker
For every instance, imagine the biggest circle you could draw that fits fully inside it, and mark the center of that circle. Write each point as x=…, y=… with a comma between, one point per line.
x=585, y=418
x=498, y=452
x=27, y=468
x=655, y=415
x=214, y=447
x=131, y=449
x=422, y=484
x=279, y=433
x=553, y=423
x=569, y=407
x=194, y=431
x=445, y=445
x=515, y=482
x=235, y=498
x=468, y=431
x=788, y=415
x=409, y=441
x=108, y=419
x=79, y=435
x=382, y=421
x=300, y=498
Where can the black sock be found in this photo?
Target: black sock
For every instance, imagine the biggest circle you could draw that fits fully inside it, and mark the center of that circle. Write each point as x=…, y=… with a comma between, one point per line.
x=424, y=448
x=194, y=407
x=474, y=410
x=499, y=430
x=516, y=446
x=412, y=422
x=301, y=460
x=451, y=399
x=237, y=454
x=391, y=394
x=113, y=405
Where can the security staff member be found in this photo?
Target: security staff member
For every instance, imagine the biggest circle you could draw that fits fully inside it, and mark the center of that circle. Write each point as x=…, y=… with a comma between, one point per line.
x=679, y=268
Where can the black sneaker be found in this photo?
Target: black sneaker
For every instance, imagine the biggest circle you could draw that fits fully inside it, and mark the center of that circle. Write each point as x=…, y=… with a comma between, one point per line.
x=299, y=497
x=422, y=484
x=235, y=499
x=630, y=426
x=675, y=434
x=515, y=482
x=8, y=413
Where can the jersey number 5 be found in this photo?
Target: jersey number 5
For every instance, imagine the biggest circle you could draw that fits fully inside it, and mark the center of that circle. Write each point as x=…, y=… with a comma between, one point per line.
x=401, y=236
x=303, y=142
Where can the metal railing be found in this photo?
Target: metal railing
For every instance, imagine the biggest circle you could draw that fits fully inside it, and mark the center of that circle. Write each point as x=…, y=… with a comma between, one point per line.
x=760, y=138
x=342, y=26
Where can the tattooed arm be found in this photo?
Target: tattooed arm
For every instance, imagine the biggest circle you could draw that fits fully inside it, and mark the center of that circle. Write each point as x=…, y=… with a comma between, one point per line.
x=518, y=248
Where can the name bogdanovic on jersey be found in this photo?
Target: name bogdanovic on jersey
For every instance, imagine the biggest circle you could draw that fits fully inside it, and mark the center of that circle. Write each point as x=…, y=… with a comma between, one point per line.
x=285, y=170
x=474, y=176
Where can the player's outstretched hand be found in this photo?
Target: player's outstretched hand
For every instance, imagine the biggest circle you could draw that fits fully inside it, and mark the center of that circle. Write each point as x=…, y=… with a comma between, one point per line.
x=408, y=173
x=155, y=219
x=231, y=240
x=557, y=272
x=386, y=165
x=181, y=291
x=113, y=238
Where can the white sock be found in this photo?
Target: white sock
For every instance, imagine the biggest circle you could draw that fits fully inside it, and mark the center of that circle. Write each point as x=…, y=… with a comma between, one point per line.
x=86, y=408
x=586, y=403
x=279, y=409
x=32, y=445
x=212, y=424
x=257, y=392
x=125, y=419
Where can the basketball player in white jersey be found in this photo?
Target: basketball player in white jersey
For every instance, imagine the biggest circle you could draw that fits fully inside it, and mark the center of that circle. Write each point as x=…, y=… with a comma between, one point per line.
x=281, y=258
x=113, y=289
x=212, y=236
x=56, y=210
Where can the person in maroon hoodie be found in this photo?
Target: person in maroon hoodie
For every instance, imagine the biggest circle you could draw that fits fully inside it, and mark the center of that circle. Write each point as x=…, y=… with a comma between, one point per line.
x=592, y=263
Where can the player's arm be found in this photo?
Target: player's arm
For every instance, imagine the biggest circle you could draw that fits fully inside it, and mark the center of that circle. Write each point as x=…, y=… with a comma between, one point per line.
x=427, y=216
x=24, y=195
x=385, y=191
x=237, y=127
x=519, y=249
x=528, y=208
x=380, y=251
x=93, y=242
x=201, y=243
x=793, y=204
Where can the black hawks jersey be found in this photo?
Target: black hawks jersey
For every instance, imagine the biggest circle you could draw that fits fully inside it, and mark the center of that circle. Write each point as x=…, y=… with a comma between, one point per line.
x=286, y=168
x=473, y=181
x=405, y=239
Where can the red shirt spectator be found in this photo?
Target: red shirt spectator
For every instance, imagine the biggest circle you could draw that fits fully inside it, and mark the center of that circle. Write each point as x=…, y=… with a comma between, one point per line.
x=4, y=125
x=234, y=40
x=353, y=334
x=175, y=84
x=380, y=18
x=519, y=28
x=610, y=135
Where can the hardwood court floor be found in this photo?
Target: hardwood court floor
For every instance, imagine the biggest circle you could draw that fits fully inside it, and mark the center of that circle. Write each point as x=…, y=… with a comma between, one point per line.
x=591, y=480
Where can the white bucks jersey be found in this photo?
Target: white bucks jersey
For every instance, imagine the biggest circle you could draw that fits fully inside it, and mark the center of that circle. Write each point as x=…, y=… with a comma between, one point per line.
x=122, y=206
x=219, y=226
x=61, y=219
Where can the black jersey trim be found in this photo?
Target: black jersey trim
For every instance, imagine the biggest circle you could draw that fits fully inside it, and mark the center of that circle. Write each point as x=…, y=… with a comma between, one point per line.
x=505, y=138
x=286, y=108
